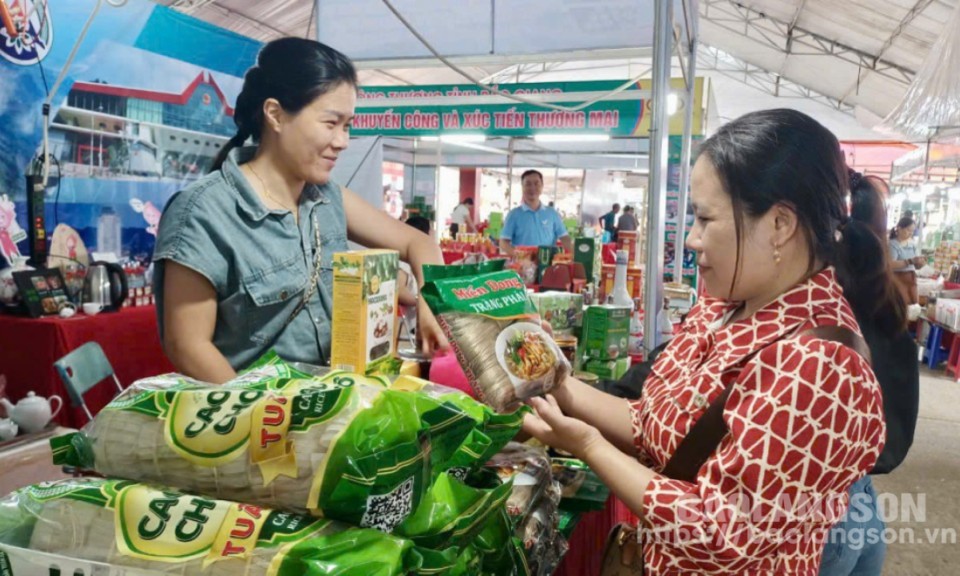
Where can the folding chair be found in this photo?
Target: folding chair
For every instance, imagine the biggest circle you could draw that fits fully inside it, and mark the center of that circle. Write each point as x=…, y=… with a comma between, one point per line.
x=82, y=369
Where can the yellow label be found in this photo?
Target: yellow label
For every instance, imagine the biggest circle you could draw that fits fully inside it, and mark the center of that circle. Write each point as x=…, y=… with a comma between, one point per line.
x=211, y=427
x=269, y=446
x=238, y=535
x=408, y=384
x=167, y=527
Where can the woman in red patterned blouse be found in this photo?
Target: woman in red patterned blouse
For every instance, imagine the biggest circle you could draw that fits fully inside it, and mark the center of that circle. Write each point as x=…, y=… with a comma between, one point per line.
x=804, y=415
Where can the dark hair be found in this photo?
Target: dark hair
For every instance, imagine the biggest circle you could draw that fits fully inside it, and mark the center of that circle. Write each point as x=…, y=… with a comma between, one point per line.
x=529, y=172
x=904, y=222
x=468, y=201
x=888, y=310
x=294, y=71
x=785, y=157
x=420, y=223
x=616, y=206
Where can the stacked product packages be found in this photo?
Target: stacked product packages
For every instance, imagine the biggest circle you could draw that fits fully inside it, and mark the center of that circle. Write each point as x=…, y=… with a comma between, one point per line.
x=277, y=472
x=605, y=344
x=545, y=503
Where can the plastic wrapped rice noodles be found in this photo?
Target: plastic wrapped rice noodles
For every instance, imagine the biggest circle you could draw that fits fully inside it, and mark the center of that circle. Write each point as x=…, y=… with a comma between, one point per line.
x=495, y=331
x=528, y=469
x=131, y=525
x=539, y=532
x=340, y=446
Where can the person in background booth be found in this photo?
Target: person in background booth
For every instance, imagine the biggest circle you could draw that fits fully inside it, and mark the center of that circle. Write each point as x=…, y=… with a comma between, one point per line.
x=627, y=221
x=608, y=222
x=893, y=353
x=532, y=223
x=243, y=261
x=903, y=253
x=461, y=219
x=780, y=258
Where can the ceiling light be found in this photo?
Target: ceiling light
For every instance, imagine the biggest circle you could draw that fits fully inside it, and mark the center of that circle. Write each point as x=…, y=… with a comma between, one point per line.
x=571, y=137
x=462, y=138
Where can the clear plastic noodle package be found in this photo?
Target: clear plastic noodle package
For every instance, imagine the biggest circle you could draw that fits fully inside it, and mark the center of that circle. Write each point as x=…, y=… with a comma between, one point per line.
x=149, y=529
x=341, y=446
x=495, y=331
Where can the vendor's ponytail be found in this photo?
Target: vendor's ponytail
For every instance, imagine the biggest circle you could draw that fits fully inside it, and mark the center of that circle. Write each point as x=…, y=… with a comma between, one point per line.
x=237, y=141
x=294, y=71
x=863, y=269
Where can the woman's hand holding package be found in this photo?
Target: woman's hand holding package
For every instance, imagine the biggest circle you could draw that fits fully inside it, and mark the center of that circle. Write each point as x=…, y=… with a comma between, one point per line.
x=551, y=426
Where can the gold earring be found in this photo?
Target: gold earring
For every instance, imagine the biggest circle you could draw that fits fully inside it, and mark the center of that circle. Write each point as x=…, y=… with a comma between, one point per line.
x=776, y=254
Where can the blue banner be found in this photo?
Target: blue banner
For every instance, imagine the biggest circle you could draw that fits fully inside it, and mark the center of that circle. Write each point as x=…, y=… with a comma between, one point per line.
x=143, y=110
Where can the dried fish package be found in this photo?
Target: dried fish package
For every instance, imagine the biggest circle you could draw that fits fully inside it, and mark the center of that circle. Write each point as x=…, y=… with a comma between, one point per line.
x=162, y=531
x=495, y=332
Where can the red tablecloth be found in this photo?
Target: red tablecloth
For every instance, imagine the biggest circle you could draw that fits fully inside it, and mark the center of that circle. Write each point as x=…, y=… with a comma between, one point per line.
x=589, y=538
x=30, y=346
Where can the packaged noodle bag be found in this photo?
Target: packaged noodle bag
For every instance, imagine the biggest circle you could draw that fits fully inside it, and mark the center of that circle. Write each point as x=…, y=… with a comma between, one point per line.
x=156, y=530
x=341, y=445
x=495, y=332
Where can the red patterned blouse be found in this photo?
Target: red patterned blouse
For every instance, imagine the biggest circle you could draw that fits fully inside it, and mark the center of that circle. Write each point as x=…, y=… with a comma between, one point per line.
x=806, y=421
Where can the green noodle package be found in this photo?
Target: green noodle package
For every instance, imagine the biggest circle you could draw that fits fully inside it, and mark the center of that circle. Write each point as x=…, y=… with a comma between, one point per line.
x=143, y=527
x=341, y=446
x=495, y=331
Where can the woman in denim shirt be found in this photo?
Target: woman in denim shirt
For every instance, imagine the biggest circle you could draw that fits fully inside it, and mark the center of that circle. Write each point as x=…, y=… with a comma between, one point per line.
x=243, y=257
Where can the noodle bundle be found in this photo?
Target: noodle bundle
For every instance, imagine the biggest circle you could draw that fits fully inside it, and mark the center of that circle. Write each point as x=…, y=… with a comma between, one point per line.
x=163, y=531
x=495, y=332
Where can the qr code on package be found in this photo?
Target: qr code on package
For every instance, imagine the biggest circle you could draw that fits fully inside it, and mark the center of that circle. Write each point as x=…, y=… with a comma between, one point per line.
x=386, y=511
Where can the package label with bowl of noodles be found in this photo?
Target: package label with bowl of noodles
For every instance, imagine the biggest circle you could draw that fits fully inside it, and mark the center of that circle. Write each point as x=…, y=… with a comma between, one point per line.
x=495, y=332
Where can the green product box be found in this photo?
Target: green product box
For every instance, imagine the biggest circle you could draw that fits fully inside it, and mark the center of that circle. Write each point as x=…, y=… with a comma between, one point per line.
x=545, y=256
x=608, y=369
x=562, y=310
x=606, y=332
x=585, y=252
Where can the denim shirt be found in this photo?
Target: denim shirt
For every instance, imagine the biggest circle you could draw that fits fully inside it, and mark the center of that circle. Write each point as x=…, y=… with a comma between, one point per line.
x=258, y=260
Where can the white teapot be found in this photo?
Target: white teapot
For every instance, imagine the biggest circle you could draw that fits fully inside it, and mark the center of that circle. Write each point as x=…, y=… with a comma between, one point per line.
x=32, y=413
x=8, y=429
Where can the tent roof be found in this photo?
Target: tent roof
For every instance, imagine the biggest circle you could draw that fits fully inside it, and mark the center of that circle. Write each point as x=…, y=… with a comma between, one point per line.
x=847, y=62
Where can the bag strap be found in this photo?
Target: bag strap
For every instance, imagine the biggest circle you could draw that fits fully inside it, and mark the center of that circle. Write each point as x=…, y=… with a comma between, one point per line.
x=709, y=430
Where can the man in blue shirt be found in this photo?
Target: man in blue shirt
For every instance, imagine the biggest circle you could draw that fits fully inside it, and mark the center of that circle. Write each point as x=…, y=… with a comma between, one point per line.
x=608, y=222
x=532, y=223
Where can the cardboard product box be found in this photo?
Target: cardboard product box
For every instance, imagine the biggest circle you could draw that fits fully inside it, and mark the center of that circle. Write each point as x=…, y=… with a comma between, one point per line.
x=562, y=310
x=608, y=369
x=627, y=240
x=634, y=281
x=585, y=252
x=364, y=309
x=606, y=332
x=545, y=256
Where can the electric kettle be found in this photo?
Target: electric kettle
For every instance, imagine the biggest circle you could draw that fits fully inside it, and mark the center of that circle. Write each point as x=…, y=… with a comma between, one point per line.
x=105, y=284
